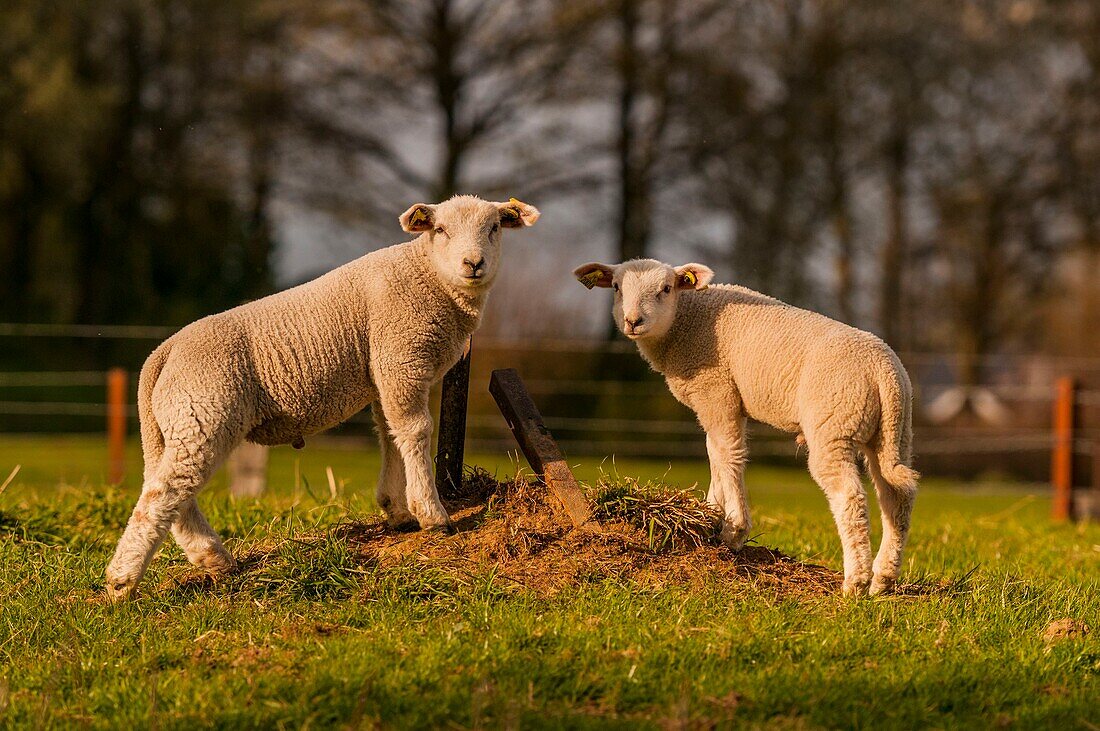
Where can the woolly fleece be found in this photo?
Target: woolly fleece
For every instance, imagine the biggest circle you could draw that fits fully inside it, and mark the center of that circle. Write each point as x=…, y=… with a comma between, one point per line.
x=730, y=353
x=378, y=331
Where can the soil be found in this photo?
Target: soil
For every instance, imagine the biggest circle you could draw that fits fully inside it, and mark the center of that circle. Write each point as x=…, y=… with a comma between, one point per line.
x=1065, y=629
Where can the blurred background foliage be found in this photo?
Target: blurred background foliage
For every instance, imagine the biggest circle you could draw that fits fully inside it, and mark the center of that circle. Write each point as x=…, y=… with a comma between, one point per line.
x=929, y=169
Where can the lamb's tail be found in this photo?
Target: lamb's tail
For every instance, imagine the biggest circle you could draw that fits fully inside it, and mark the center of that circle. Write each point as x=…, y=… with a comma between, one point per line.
x=895, y=440
x=152, y=438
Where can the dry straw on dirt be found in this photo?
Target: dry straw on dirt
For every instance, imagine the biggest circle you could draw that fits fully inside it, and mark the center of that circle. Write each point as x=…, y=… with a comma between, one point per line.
x=641, y=534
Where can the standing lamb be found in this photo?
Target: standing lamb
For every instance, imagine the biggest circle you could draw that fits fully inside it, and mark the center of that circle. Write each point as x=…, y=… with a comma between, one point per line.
x=729, y=353
x=378, y=331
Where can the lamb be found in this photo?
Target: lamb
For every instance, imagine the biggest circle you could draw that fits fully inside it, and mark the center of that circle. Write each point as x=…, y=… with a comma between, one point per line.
x=730, y=353
x=378, y=331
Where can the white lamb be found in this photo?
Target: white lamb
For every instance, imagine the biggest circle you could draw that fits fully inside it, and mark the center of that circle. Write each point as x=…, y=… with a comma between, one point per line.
x=729, y=353
x=378, y=331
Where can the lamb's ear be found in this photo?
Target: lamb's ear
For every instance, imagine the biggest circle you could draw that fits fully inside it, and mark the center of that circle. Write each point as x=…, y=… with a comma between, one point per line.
x=516, y=214
x=595, y=275
x=693, y=276
x=419, y=217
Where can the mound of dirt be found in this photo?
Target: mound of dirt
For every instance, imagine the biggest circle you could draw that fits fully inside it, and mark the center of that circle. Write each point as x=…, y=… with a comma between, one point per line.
x=643, y=535
x=1065, y=629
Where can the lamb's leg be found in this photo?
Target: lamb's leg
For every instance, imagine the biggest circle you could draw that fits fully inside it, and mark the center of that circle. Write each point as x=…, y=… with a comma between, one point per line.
x=200, y=542
x=726, y=449
x=390, y=492
x=410, y=421
x=834, y=468
x=896, y=507
x=187, y=463
x=156, y=510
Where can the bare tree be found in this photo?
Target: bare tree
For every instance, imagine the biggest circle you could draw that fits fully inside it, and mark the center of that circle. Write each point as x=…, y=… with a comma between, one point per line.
x=416, y=99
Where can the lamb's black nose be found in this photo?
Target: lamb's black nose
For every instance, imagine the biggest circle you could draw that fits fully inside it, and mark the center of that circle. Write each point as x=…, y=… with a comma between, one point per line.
x=475, y=267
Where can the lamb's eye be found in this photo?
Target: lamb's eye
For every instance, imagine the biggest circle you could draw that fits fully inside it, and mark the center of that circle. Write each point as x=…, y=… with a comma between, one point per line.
x=667, y=289
x=440, y=230
x=616, y=286
x=496, y=227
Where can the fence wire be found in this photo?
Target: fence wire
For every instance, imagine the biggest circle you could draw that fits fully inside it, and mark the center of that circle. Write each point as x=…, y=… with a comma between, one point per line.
x=636, y=417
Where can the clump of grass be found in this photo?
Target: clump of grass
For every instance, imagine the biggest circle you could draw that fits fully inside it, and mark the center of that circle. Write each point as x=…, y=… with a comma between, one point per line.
x=33, y=527
x=320, y=568
x=672, y=520
x=477, y=484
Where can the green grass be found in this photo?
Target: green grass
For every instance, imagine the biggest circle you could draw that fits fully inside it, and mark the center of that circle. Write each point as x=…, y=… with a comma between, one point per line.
x=314, y=638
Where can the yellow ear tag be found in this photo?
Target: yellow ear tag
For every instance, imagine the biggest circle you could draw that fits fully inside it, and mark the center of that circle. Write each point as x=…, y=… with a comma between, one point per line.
x=589, y=280
x=689, y=277
x=516, y=202
x=418, y=216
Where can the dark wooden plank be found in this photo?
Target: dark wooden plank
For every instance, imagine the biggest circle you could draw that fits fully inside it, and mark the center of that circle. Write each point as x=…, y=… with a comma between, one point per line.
x=452, y=426
x=538, y=444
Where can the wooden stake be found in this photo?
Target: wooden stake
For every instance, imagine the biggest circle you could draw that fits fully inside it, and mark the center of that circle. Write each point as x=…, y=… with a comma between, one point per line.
x=1086, y=503
x=116, y=424
x=1096, y=466
x=1061, y=467
x=247, y=470
x=452, y=425
x=538, y=444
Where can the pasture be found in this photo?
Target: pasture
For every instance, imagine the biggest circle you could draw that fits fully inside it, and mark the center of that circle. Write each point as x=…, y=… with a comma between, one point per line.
x=310, y=633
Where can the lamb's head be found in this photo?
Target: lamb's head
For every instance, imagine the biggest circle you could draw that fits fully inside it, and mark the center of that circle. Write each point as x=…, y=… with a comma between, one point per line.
x=646, y=292
x=464, y=235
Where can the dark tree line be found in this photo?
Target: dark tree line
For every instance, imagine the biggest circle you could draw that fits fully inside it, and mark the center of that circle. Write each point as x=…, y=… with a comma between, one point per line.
x=926, y=169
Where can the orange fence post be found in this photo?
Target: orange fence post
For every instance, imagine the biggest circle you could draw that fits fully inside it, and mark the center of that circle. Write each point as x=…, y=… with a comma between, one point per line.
x=116, y=424
x=1061, y=467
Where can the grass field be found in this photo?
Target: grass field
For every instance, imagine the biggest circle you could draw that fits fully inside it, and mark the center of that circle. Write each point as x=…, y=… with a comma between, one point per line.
x=318, y=639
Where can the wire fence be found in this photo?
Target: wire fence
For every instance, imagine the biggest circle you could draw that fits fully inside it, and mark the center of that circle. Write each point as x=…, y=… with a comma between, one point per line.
x=597, y=398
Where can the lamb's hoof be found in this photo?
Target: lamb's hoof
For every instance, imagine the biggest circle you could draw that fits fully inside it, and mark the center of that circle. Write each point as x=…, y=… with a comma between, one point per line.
x=217, y=564
x=431, y=516
x=856, y=587
x=733, y=538
x=446, y=529
x=883, y=585
x=403, y=524
x=120, y=591
x=399, y=520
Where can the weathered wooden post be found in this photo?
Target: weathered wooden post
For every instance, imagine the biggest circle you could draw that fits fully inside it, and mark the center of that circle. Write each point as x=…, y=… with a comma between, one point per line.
x=1086, y=502
x=116, y=424
x=248, y=470
x=1061, y=468
x=452, y=425
x=538, y=444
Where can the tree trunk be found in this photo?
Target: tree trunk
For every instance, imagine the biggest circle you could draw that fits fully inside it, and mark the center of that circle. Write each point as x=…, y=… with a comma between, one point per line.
x=106, y=216
x=17, y=264
x=895, y=249
x=448, y=89
x=633, y=214
x=842, y=223
x=258, y=280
